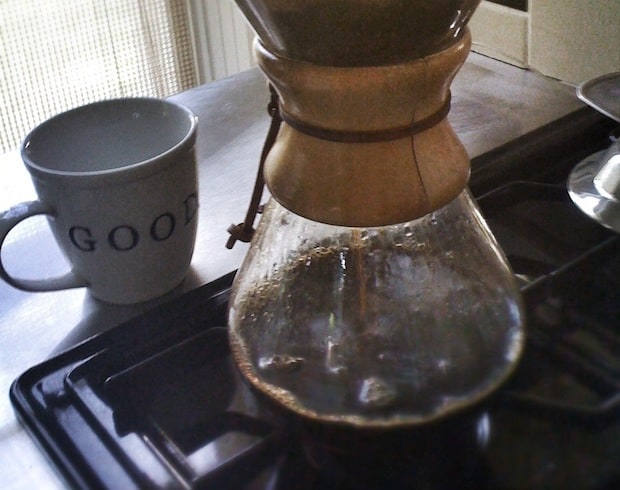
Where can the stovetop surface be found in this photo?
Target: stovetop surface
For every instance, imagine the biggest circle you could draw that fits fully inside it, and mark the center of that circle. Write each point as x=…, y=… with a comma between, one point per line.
x=157, y=401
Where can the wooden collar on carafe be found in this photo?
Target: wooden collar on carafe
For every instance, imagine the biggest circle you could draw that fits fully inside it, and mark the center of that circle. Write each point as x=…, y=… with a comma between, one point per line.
x=245, y=230
x=363, y=146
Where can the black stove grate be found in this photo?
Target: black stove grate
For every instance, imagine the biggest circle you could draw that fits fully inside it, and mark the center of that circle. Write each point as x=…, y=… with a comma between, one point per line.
x=568, y=268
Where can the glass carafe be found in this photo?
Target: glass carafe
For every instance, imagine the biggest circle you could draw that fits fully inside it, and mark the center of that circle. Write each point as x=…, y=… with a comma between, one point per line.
x=376, y=326
x=373, y=293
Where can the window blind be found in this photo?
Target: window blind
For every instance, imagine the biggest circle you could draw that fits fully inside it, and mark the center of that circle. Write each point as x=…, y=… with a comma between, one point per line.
x=58, y=54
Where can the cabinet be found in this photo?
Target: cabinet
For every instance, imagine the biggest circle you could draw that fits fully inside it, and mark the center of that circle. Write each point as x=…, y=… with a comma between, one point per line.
x=571, y=40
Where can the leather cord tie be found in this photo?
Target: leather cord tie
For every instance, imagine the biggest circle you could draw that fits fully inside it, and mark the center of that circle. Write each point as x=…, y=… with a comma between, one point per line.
x=244, y=231
x=343, y=136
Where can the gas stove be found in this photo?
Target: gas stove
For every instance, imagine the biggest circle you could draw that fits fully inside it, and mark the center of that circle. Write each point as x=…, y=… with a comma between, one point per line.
x=158, y=403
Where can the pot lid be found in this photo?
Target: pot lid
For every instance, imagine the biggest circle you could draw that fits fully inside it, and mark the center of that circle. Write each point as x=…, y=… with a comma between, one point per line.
x=603, y=94
x=594, y=186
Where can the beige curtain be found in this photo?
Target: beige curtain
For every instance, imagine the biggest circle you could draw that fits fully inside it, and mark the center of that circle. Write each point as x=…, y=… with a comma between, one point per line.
x=58, y=54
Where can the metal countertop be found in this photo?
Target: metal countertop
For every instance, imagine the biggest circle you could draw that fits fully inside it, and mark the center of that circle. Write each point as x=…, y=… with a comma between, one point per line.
x=493, y=103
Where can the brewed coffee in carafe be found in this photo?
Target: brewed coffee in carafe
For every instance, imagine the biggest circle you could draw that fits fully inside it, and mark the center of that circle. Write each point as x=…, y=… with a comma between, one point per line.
x=373, y=293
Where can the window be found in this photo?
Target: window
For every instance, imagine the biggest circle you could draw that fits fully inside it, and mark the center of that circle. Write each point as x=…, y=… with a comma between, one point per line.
x=58, y=54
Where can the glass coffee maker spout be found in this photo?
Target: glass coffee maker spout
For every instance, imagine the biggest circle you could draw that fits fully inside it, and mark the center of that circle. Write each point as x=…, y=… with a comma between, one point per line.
x=373, y=294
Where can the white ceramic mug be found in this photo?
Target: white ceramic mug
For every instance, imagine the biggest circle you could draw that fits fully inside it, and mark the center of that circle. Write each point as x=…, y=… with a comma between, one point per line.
x=117, y=180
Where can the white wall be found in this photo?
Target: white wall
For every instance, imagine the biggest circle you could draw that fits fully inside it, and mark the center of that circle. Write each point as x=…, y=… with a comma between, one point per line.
x=575, y=40
x=571, y=40
x=501, y=33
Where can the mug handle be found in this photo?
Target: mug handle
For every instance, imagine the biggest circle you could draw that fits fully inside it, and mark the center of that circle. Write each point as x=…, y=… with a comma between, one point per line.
x=8, y=220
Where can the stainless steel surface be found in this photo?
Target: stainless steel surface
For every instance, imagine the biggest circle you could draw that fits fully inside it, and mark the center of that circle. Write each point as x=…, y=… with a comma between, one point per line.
x=493, y=103
x=594, y=186
x=602, y=93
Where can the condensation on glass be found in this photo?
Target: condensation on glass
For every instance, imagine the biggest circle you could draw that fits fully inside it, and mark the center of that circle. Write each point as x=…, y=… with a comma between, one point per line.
x=376, y=326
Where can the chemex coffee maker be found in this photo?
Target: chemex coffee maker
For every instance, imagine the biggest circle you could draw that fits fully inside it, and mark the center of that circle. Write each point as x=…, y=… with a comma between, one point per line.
x=373, y=296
